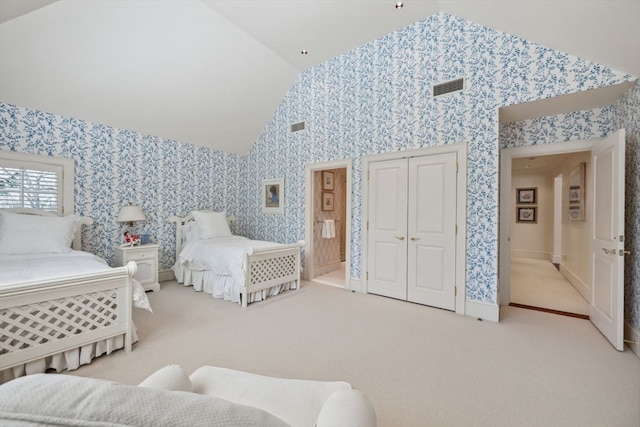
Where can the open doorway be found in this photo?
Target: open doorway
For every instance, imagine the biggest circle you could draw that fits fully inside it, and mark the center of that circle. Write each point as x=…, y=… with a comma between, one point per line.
x=542, y=278
x=328, y=223
x=604, y=216
x=537, y=167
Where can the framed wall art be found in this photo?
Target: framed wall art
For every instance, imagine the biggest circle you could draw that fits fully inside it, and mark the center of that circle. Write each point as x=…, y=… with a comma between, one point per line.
x=576, y=212
x=577, y=192
x=526, y=215
x=526, y=196
x=327, y=180
x=273, y=196
x=327, y=201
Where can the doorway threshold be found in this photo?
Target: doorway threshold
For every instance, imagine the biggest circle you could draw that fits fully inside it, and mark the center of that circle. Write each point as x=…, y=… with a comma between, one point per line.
x=549, y=310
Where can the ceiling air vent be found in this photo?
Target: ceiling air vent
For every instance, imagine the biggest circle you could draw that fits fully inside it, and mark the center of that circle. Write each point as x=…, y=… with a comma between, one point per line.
x=297, y=127
x=448, y=87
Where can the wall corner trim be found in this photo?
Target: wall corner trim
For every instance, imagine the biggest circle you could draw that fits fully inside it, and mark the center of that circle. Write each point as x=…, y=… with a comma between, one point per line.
x=632, y=336
x=356, y=285
x=482, y=310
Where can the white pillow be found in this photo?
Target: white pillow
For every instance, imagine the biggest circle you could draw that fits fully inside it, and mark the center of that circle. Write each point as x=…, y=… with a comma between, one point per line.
x=347, y=408
x=34, y=234
x=191, y=232
x=212, y=224
x=171, y=377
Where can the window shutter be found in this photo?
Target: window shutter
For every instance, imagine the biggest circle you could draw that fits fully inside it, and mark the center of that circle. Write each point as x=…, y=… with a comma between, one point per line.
x=30, y=185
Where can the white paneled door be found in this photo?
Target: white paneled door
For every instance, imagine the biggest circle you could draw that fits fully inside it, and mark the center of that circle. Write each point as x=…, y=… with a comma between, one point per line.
x=388, y=228
x=607, y=244
x=431, y=262
x=412, y=229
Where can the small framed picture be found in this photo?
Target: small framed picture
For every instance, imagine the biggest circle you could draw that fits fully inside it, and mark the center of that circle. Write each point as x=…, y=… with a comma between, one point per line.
x=526, y=196
x=273, y=196
x=576, y=212
x=327, y=201
x=576, y=184
x=526, y=215
x=327, y=180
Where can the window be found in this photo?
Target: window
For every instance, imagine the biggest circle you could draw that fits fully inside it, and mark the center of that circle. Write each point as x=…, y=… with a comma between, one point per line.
x=36, y=182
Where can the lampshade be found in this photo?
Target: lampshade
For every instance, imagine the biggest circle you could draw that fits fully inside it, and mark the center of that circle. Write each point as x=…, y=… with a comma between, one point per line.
x=130, y=213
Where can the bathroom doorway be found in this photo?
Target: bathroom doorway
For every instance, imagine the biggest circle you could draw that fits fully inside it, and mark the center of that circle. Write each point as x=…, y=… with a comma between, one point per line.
x=328, y=222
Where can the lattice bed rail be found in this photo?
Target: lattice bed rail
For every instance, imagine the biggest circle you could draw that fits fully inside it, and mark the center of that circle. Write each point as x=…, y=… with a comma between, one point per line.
x=42, y=319
x=271, y=267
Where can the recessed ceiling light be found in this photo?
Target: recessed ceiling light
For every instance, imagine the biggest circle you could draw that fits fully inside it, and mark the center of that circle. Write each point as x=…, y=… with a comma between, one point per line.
x=399, y=5
x=304, y=52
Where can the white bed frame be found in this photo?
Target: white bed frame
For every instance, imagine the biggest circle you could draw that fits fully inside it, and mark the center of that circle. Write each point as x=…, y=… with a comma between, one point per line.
x=44, y=318
x=265, y=267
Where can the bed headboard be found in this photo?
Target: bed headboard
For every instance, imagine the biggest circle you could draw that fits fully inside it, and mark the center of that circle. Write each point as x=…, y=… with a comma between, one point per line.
x=82, y=220
x=181, y=221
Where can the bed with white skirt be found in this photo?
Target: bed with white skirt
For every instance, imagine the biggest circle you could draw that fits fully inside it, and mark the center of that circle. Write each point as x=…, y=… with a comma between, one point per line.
x=59, y=307
x=235, y=268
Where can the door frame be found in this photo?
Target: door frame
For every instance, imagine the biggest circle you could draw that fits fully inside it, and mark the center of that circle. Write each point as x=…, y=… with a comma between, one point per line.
x=506, y=212
x=461, y=212
x=309, y=220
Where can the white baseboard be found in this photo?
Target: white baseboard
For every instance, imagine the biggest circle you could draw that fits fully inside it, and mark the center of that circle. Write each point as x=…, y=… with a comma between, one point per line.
x=482, y=310
x=632, y=338
x=355, y=285
x=166, y=275
x=319, y=270
x=577, y=283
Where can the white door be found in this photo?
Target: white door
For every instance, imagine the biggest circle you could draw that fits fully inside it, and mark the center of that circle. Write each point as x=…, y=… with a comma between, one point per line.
x=432, y=230
x=607, y=244
x=387, y=247
x=412, y=236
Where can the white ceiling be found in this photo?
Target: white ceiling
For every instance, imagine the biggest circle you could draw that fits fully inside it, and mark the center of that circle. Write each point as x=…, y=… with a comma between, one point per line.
x=537, y=164
x=212, y=73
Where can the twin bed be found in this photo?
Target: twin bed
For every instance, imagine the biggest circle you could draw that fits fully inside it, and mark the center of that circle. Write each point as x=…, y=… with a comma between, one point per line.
x=237, y=269
x=59, y=307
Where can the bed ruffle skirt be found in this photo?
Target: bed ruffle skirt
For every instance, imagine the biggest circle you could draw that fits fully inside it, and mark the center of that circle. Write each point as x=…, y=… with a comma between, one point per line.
x=67, y=360
x=219, y=286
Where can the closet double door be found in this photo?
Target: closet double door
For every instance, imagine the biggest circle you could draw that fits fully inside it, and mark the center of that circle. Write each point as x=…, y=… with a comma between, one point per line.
x=412, y=229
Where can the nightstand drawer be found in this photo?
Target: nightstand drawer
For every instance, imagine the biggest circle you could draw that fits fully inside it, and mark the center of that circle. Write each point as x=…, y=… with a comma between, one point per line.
x=142, y=255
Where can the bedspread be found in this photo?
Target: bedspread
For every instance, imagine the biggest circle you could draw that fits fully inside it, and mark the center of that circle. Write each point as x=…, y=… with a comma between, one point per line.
x=223, y=255
x=18, y=269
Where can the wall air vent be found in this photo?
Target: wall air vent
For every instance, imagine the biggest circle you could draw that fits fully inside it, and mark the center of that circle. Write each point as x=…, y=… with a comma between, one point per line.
x=448, y=87
x=297, y=127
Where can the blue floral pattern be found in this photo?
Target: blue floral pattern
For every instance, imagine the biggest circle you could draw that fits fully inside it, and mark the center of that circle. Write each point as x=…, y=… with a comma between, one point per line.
x=373, y=99
x=115, y=167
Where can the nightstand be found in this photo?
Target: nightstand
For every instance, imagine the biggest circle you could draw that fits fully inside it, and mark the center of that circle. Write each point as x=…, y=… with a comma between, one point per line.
x=146, y=256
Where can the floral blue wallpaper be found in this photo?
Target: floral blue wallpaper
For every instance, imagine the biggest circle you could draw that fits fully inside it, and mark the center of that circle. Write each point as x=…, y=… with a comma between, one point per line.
x=374, y=99
x=377, y=98
x=115, y=167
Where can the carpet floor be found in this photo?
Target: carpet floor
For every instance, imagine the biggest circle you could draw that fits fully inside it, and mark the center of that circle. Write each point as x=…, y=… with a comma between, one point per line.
x=418, y=365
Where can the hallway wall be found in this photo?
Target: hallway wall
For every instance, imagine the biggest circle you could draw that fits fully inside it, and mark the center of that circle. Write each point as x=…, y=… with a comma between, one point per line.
x=535, y=239
x=576, y=238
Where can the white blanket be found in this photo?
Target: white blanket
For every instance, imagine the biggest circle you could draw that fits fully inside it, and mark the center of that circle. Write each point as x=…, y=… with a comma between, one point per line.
x=224, y=256
x=217, y=267
x=18, y=269
x=65, y=400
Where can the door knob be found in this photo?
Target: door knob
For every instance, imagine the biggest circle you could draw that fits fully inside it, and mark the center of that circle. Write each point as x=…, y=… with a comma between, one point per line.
x=400, y=237
x=415, y=238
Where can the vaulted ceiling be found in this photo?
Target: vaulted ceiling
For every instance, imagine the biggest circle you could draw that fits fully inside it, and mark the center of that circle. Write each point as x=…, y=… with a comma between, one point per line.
x=212, y=73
